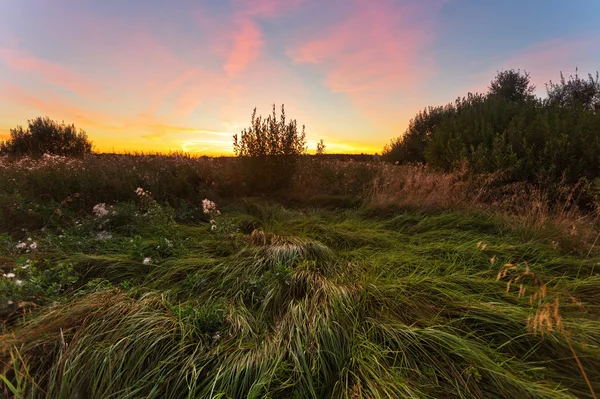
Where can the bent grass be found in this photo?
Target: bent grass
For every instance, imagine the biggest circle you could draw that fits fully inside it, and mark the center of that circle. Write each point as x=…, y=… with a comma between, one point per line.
x=406, y=296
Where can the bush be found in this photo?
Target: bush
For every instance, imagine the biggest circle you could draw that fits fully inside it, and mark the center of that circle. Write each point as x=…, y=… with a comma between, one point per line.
x=532, y=141
x=553, y=141
x=269, y=151
x=410, y=147
x=46, y=136
x=512, y=85
x=575, y=92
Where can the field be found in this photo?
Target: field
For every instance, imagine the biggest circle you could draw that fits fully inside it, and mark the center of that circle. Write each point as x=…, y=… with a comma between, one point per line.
x=167, y=277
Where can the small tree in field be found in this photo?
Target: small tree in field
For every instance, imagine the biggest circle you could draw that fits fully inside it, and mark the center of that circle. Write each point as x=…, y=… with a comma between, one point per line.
x=512, y=85
x=44, y=135
x=270, y=149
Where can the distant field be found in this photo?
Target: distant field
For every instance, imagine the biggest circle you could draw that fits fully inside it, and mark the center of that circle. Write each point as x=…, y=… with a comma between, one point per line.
x=357, y=282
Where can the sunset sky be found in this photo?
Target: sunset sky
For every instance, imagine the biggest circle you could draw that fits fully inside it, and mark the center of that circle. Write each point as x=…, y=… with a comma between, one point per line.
x=150, y=75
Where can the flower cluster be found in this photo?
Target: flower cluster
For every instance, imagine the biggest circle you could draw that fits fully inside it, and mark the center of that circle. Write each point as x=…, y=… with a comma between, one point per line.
x=100, y=210
x=27, y=246
x=210, y=208
x=11, y=277
x=140, y=192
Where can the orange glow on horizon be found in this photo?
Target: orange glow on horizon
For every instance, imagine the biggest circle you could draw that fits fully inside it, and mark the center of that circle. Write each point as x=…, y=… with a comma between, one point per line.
x=159, y=78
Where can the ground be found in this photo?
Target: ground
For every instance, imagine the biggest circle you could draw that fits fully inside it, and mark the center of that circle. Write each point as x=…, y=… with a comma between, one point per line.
x=263, y=299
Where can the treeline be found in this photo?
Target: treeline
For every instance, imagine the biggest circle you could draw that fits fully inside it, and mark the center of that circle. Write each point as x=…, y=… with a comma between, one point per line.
x=544, y=141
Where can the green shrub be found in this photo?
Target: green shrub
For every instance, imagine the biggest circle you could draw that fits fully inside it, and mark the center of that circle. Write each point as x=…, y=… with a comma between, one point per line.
x=549, y=142
x=575, y=92
x=512, y=85
x=45, y=136
x=269, y=151
x=532, y=141
x=410, y=147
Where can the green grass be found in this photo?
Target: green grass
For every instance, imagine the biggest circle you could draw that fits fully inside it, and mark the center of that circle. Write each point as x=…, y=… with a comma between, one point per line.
x=298, y=302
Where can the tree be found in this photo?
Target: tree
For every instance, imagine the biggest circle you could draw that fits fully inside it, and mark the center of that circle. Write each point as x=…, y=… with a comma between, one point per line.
x=44, y=135
x=512, y=85
x=410, y=147
x=575, y=92
x=270, y=149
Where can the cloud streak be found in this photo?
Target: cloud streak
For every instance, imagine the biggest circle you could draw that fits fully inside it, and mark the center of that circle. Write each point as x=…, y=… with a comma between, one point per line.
x=372, y=54
x=246, y=46
x=21, y=63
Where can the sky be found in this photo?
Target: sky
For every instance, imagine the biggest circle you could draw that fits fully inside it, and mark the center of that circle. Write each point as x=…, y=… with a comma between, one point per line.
x=183, y=75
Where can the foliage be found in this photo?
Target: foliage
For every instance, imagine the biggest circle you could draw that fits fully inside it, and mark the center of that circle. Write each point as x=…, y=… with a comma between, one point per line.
x=45, y=136
x=547, y=142
x=575, y=92
x=531, y=141
x=512, y=85
x=34, y=282
x=269, y=150
x=410, y=147
x=321, y=147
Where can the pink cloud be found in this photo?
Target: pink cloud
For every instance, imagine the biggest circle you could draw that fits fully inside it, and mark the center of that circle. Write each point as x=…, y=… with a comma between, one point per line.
x=20, y=61
x=246, y=46
x=374, y=54
x=264, y=8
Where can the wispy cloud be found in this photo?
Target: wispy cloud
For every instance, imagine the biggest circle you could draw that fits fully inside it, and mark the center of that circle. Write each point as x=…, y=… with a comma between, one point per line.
x=247, y=42
x=374, y=53
x=22, y=63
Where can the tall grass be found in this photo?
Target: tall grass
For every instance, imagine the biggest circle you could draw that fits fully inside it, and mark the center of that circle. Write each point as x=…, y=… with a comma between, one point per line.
x=311, y=303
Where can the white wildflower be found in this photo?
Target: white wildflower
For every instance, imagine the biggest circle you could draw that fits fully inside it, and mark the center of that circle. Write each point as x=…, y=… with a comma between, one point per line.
x=9, y=275
x=33, y=246
x=103, y=235
x=213, y=227
x=147, y=260
x=19, y=282
x=21, y=245
x=100, y=210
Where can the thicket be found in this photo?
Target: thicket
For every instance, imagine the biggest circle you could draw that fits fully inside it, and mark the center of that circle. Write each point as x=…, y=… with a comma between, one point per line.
x=45, y=136
x=269, y=150
x=543, y=141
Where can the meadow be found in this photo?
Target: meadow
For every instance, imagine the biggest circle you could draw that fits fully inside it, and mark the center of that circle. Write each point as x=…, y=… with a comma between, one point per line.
x=152, y=276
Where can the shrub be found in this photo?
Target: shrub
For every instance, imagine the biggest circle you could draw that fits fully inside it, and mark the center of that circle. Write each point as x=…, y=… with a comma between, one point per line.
x=46, y=136
x=532, y=141
x=410, y=147
x=269, y=150
x=575, y=92
x=321, y=147
x=512, y=85
x=553, y=141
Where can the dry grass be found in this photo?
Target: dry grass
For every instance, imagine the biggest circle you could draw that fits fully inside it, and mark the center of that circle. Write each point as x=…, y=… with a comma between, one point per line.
x=526, y=205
